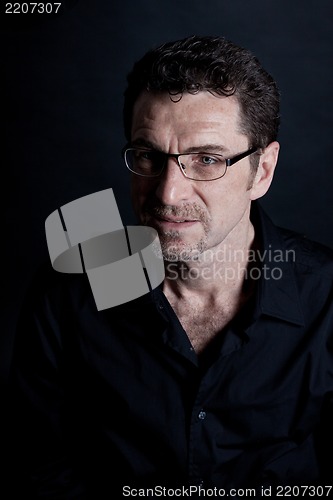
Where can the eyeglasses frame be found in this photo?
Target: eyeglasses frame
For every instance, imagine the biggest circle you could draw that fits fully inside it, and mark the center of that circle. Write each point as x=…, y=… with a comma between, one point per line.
x=229, y=161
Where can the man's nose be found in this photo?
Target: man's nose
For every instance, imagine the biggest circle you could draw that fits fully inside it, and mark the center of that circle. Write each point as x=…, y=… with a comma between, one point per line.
x=173, y=187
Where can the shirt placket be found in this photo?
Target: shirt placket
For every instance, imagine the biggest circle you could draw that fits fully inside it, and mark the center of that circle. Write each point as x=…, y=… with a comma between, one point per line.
x=199, y=418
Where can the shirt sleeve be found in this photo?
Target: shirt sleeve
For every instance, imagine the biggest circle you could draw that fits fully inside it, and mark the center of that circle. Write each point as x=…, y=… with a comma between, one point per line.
x=38, y=392
x=323, y=435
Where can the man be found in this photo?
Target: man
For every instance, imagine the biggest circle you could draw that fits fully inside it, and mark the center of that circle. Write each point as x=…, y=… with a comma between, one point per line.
x=220, y=380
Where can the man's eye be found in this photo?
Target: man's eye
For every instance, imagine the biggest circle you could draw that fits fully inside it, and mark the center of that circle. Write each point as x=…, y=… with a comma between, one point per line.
x=145, y=155
x=148, y=156
x=207, y=160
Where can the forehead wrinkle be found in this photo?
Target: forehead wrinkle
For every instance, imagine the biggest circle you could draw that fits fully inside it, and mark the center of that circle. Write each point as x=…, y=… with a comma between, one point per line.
x=141, y=142
x=205, y=148
x=158, y=123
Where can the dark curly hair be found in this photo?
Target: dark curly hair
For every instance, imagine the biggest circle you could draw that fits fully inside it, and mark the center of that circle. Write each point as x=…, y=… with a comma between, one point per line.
x=216, y=65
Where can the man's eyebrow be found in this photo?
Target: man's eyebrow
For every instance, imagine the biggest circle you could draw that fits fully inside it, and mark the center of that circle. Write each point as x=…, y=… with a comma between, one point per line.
x=207, y=148
x=204, y=148
x=143, y=143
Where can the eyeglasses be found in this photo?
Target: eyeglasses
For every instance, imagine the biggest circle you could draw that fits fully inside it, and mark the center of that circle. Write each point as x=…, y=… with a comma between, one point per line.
x=194, y=166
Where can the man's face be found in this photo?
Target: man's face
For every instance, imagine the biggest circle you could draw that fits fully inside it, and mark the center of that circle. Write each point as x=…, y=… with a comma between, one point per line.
x=191, y=216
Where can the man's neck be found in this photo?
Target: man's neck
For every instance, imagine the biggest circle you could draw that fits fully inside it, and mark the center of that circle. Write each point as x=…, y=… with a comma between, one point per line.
x=219, y=272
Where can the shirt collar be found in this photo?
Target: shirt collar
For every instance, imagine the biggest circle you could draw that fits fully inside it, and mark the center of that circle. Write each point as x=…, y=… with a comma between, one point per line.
x=278, y=295
x=277, y=291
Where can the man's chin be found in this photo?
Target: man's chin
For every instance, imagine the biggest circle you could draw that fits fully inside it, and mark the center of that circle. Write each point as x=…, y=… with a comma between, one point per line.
x=180, y=251
x=178, y=244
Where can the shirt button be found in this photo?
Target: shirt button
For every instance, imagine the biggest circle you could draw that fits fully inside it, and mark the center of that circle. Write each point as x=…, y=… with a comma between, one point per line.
x=202, y=415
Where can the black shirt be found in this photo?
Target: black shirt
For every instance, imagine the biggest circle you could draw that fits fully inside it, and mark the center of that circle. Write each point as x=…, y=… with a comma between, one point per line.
x=118, y=398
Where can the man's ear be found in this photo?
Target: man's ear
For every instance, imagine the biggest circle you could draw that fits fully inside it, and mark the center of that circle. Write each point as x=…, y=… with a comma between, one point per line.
x=264, y=175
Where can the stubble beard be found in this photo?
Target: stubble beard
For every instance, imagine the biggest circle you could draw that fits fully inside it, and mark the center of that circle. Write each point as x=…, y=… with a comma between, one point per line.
x=174, y=247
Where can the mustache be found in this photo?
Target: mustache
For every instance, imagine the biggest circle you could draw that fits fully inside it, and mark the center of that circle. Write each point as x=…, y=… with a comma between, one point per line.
x=191, y=211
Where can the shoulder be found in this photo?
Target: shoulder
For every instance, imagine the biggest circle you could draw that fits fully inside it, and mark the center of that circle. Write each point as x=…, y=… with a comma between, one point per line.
x=66, y=300
x=307, y=254
x=290, y=246
x=52, y=302
x=310, y=266
x=49, y=286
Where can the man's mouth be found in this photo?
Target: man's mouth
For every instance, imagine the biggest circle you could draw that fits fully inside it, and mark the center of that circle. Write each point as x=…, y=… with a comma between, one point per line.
x=174, y=220
x=167, y=222
x=171, y=218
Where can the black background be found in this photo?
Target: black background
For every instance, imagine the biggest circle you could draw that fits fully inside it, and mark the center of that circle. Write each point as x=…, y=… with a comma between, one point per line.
x=62, y=95
x=64, y=77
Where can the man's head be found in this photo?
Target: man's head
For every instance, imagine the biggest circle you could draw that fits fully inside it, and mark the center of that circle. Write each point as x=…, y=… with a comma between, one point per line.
x=208, y=101
x=214, y=64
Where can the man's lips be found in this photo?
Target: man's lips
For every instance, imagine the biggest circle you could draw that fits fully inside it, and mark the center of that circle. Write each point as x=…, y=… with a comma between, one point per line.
x=168, y=221
x=168, y=217
x=176, y=220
